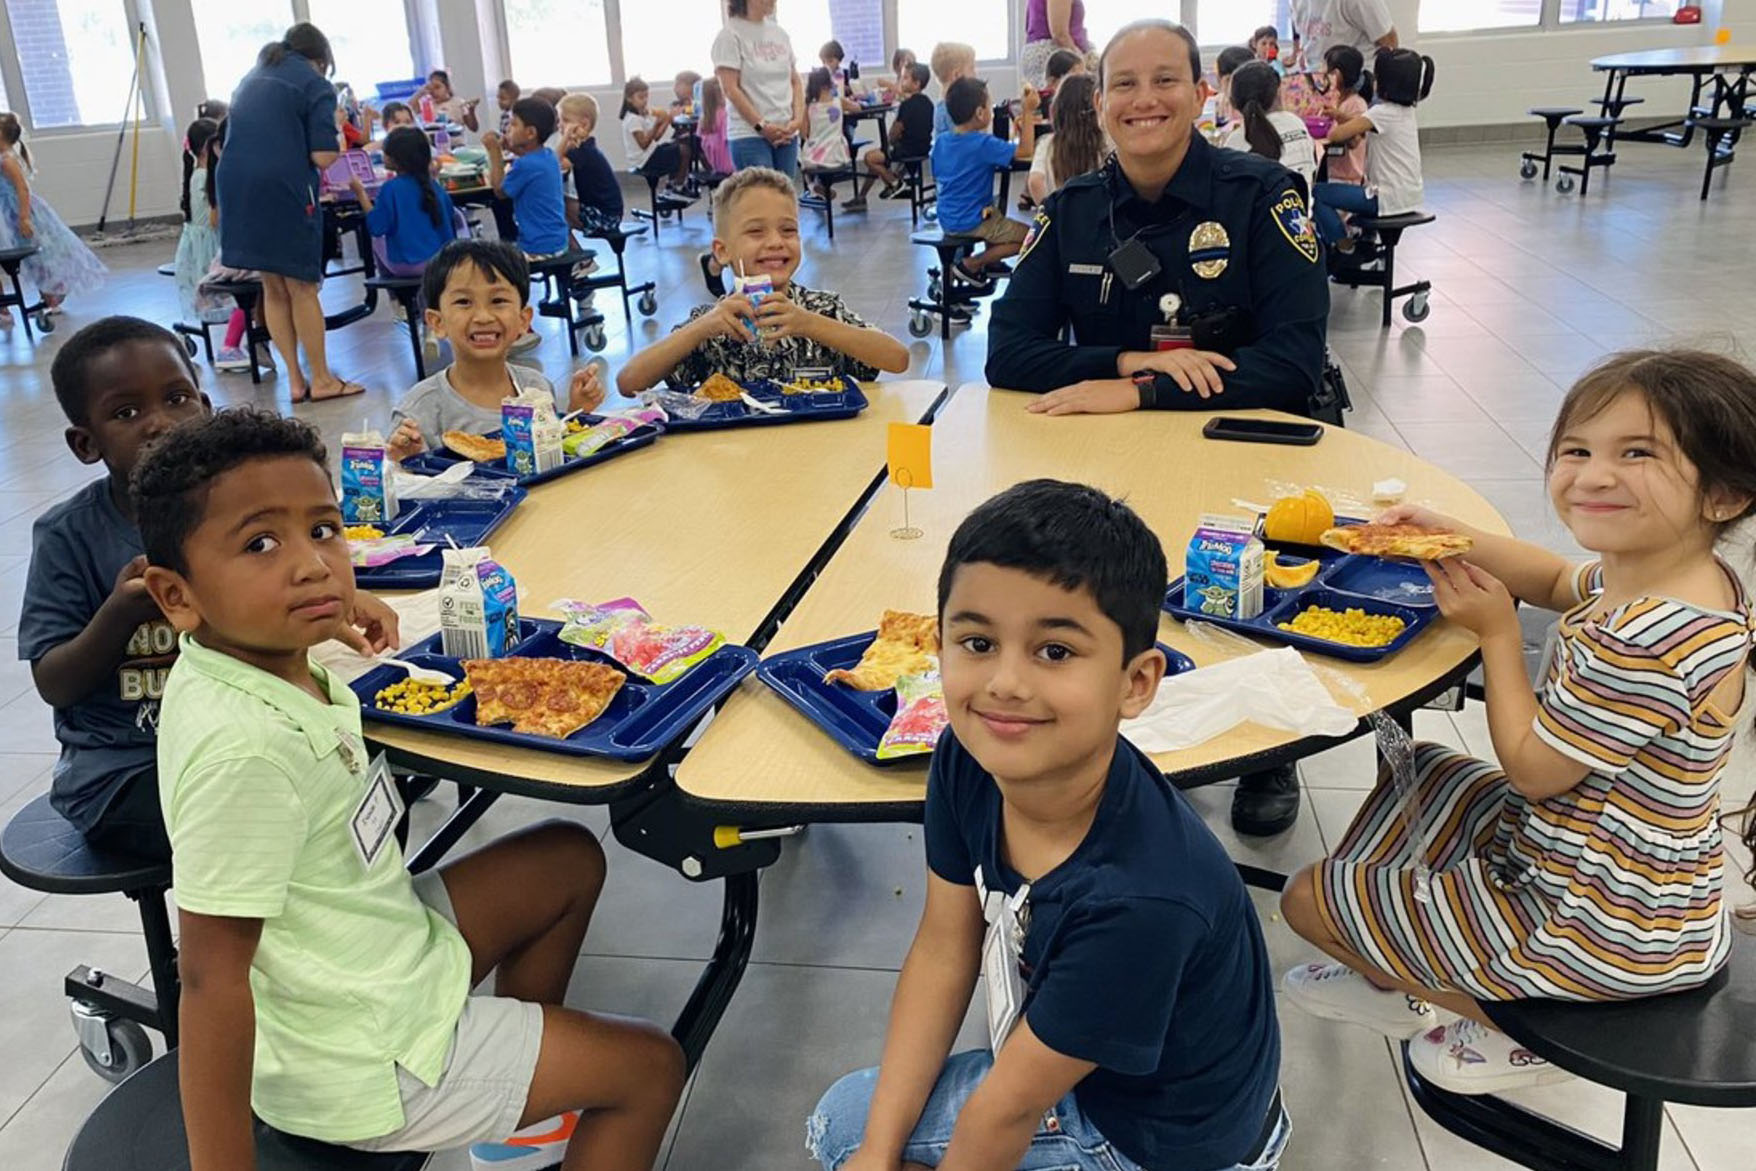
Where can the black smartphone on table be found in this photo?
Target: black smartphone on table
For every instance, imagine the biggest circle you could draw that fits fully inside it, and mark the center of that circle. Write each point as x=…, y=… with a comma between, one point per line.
x=1263, y=431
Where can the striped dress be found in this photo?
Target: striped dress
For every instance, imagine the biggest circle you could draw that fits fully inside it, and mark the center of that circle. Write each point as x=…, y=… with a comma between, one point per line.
x=1608, y=891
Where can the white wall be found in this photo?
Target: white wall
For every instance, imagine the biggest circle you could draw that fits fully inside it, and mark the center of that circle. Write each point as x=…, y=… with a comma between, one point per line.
x=1487, y=79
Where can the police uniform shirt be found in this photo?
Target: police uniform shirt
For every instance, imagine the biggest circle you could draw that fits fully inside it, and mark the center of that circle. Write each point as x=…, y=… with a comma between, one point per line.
x=1237, y=252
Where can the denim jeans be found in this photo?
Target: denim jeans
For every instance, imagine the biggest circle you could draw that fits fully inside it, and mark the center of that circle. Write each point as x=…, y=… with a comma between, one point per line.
x=759, y=152
x=1329, y=200
x=1065, y=1141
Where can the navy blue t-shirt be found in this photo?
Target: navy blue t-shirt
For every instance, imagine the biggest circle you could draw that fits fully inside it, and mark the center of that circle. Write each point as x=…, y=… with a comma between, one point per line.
x=111, y=736
x=594, y=180
x=1143, y=955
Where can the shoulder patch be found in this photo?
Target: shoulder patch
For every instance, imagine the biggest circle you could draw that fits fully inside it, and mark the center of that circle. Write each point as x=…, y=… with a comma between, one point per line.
x=1294, y=222
x=1038, y=226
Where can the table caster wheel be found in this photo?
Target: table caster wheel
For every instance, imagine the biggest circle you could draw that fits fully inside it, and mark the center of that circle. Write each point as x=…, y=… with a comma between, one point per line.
x=1564, y=184
x=1527, y=170
x=128, y=1046
x=595, y=340
x=1417, y=309
x=45, y=323
x=920, y=324
x=648, y=304
x=189, y=346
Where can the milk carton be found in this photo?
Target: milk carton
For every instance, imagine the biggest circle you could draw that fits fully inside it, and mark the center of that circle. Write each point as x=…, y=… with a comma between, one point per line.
x=368, y=493
x=1222, y=572
x=532, y=433
x=478, y=605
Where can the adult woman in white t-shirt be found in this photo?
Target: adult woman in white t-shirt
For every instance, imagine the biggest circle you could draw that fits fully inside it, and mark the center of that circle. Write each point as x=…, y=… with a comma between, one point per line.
x=753, y=60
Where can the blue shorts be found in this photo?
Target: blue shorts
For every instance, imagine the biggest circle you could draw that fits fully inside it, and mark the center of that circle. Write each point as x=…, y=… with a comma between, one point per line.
x=1066, y=1138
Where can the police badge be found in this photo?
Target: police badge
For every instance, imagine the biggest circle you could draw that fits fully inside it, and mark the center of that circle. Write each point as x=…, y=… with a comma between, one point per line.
x=1210, y=250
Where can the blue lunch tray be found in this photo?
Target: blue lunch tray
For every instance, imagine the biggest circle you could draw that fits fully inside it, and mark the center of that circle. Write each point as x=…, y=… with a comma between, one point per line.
x=431, y=463
x=857, y=720
x=641, y=720
x=803, y=407
x=468, y=522
x=1344, y=581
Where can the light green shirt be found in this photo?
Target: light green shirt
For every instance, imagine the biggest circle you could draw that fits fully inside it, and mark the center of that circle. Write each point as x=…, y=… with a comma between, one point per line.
x=354, y=975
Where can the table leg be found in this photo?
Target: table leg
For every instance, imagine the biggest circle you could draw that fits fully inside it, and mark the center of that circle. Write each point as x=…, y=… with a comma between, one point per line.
x=434, y=849
x=731, y=955
x=1643, y=1124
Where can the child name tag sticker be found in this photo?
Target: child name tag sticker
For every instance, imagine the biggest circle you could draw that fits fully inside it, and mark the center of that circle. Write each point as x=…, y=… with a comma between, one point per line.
x=375, y=819
x=1002, y=948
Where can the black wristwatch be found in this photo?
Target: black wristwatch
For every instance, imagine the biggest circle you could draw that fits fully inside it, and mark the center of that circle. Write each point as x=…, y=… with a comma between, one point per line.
x=761, y=128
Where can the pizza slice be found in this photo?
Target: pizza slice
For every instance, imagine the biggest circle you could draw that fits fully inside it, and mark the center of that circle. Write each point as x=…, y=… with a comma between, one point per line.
x=719, y=389
x=544, y=697
x=1413, y=541
x=475, y=448
x=907, y=644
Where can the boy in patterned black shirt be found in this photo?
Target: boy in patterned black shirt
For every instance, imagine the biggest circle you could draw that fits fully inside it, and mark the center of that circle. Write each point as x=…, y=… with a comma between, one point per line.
x=756, y=219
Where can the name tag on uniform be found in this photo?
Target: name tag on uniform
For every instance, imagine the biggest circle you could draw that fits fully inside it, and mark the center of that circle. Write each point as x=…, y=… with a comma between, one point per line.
x=1085, y=270
x=375, y=819
x=1002, y=949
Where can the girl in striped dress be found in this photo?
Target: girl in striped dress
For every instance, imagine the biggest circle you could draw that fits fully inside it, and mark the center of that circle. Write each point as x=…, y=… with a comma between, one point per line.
x=1587, y=864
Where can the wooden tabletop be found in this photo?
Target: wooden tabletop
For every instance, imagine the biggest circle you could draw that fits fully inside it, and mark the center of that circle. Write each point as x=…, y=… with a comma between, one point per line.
x=708, y=528
x=767, y=760
x=1692, y=58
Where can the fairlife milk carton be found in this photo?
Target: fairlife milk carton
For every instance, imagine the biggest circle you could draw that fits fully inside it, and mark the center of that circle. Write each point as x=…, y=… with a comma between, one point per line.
x=478, y=605
x=368, y=494
x=1222, y=572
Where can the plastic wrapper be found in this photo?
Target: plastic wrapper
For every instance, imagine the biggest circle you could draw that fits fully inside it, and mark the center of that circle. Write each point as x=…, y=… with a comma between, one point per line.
x=369, y=554
x=676, y=402
x=919, y=720
x=624, y=631
x=600, y=435
x=454, y=483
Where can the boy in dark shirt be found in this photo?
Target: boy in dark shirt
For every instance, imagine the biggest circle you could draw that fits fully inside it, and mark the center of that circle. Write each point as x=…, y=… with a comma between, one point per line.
x=98, y=647
x=911, y=136
x=1130, y=1011
x=594, y=179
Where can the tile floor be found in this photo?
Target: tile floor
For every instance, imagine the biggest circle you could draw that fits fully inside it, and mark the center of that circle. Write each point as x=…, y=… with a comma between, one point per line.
x=1529, y=288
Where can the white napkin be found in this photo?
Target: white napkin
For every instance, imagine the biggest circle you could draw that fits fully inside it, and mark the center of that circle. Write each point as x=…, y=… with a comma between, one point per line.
x=1274, y=688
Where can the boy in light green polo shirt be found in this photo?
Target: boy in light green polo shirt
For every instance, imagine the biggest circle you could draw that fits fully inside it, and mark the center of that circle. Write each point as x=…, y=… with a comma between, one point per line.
x=322, y=987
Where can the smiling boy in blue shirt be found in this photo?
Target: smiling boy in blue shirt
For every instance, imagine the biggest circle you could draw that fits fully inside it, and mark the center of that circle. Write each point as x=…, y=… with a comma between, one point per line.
x=1130, y=1004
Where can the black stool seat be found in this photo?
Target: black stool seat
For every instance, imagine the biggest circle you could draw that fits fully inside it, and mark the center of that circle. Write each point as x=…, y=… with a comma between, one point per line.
x=1394, y=223
x=406, y=291
x=1689, y=1047
x=1554, y=111
x=1593, y=121
x=14, y=255
x=1692, y=1047
x=139, y=1127
x=938, y=237
x=42, y=850
x=1722, y=123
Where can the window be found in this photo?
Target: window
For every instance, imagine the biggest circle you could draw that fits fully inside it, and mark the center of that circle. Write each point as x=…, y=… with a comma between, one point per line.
x=76, y=58
x=370, y=39
x=1230, y=22
x=561, y=42
x=230, y=34
x=659, y=41
x=921, y=24
x=1573, y=11
x=1453, y=16
x=807, y=25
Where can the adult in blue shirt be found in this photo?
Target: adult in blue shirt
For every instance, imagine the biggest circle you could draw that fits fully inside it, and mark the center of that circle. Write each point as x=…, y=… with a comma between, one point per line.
x=280, y=134
x=1192, y=279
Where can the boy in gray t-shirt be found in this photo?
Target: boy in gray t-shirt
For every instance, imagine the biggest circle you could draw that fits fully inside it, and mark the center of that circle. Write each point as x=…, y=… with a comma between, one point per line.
x=477, y=294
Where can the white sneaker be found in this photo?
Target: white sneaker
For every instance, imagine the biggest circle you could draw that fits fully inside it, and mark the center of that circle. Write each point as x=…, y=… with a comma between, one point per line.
x=429, y=346
x=1336, y=992
x=230, y=358
x=1467, y=1057
x=528, y=342
x=538, y=1145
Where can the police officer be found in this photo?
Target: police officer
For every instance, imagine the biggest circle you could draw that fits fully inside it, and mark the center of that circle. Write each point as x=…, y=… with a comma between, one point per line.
x=1192, y=279
x=1192, y=276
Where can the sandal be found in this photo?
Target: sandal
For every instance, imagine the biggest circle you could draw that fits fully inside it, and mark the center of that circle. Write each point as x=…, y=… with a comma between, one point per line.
x=348, y=390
